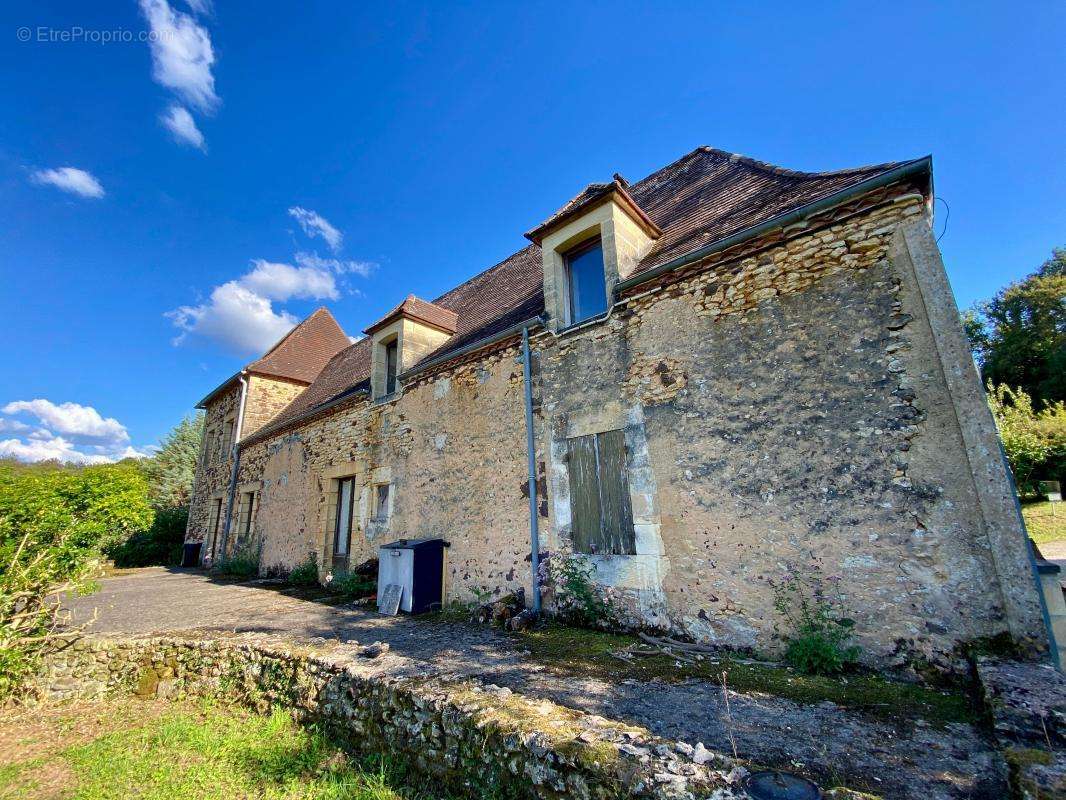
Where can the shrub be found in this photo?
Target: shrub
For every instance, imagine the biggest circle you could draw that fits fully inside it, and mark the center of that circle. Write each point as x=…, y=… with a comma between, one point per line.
x=30, y=619
x=242, y=565
x=160, y=545
x=305, y=574
x=1034, y=441
x=817, y=643
x=578, y=599
x=54, y=522
x=351, y=584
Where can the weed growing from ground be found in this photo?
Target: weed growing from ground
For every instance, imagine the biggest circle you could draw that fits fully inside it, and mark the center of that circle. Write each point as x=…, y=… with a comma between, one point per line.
x=818, y=627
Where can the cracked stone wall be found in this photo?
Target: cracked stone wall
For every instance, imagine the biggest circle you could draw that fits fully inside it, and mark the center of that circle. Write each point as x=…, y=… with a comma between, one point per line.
x=784, y=413
x=796, y=423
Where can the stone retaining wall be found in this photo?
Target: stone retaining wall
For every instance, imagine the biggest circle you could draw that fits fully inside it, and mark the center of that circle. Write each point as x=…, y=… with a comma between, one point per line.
x=475, y=737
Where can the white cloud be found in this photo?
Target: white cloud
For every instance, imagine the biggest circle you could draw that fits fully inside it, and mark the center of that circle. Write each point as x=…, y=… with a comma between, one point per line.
x=314, y=224
x=203, y=8
x=339, y=266
x=70, y=179
x=57, y=449
x=66, y=424
x=71, y=419
x=235, y=316
x=282, y=281
x=182, y=56
x=180, y=123
x=240, y=314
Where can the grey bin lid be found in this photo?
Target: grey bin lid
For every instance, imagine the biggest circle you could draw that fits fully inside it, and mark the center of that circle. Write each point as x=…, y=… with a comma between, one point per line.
x=414, y=544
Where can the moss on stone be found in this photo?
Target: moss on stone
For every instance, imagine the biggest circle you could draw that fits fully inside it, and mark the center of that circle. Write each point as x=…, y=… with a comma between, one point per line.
x=1021, y=757
x=576, y=651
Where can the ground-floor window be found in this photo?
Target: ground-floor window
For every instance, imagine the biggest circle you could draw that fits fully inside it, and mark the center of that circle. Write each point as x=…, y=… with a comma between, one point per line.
x=381, y=502
x=244, y=516
x=601, y=512
x=342, y=535
x=216, y=519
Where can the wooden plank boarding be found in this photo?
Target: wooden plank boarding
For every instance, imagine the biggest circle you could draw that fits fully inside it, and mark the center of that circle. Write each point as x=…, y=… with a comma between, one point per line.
x=389, y=601
x=584, y=493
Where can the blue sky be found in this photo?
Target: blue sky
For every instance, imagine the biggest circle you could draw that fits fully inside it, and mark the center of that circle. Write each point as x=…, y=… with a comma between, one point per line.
x=265, y=158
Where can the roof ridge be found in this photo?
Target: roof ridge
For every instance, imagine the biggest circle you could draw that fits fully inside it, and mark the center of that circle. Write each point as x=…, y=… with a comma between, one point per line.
x=775, y=169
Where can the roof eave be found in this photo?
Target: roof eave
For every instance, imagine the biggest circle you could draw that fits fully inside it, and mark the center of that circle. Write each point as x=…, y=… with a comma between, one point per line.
x=388, y=320
x=218, y=389
x=909, y=169
x=615, y=192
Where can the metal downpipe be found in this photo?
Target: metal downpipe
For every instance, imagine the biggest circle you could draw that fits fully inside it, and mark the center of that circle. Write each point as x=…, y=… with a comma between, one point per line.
x=534, y=521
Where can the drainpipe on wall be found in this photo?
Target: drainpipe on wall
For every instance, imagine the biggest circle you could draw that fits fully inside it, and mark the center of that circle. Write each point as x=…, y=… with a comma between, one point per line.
x=534, y=530
x=235, y=453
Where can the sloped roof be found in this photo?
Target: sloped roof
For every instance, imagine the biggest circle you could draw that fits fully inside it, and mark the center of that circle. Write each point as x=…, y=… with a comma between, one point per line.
x=702, y=197
x=416, y=308
x=589, y=197
x=299, y=355
x=302, y=353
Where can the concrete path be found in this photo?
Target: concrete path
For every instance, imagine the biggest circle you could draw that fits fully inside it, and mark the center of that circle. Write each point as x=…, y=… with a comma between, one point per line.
x=908, y=759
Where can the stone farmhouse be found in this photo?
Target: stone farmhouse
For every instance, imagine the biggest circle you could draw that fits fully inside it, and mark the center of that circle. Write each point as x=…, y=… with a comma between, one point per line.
x=735, y=372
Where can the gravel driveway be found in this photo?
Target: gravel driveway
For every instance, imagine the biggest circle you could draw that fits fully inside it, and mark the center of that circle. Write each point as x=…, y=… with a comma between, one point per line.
x=908, y=759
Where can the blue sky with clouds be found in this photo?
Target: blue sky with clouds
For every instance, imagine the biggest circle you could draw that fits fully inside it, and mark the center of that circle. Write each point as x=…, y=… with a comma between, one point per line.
x=171, y=203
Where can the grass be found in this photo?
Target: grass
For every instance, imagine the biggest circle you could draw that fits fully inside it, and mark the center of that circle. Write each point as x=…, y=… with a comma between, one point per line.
x=154, y=750
x=575, y=651
x=1045, y=526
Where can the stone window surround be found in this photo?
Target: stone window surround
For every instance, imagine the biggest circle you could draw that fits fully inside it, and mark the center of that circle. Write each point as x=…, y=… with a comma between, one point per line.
x=366, y=481
x=213, y=530
x=241, y=490
x=642, y=571
x=624, y=242
x=330, y=480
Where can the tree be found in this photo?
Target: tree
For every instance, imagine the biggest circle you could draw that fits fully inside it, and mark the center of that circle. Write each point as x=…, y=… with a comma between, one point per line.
x=1019, y=336
x=171, y=470
x=1034, y=441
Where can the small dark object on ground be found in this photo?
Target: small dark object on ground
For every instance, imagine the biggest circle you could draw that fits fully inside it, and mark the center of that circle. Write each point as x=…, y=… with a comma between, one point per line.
x=373, y=650
x=500, y=612
x=522, y=621
x=368, y=569
x=775, y=785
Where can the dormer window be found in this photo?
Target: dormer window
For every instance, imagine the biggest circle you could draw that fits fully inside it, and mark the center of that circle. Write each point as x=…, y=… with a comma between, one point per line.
x=585, y=281
x=391, y=352
x=401, y=338
x=587, y=247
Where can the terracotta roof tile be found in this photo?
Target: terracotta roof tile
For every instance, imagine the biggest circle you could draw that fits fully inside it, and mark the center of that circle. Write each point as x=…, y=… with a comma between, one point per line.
x=305, y=350
x=701, y=198
x=419, y=309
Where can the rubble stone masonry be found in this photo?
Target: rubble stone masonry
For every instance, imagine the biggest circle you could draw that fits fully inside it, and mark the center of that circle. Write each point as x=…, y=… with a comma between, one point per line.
x=785, y=413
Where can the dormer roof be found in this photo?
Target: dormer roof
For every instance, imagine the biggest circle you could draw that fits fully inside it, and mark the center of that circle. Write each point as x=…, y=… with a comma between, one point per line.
x=419, y=310
x=590, y=197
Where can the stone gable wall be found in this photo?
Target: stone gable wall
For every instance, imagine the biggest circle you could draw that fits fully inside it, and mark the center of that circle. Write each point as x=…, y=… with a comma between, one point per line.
x=213, y=472
x=785, y=413
x=266, y=398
